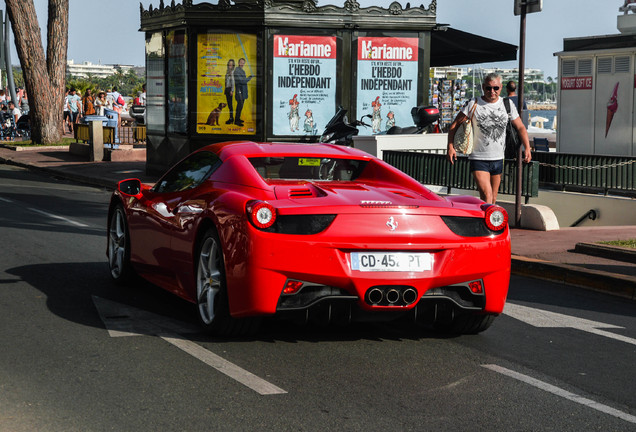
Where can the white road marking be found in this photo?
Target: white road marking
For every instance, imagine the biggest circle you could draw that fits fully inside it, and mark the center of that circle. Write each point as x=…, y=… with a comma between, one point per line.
x=123, y=320
x=51, y=215
x=235, y=372
x=562, y=393
x=543, y=318
x=54, y=216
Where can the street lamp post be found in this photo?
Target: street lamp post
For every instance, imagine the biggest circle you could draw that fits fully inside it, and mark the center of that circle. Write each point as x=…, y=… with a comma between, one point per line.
x=522, y=7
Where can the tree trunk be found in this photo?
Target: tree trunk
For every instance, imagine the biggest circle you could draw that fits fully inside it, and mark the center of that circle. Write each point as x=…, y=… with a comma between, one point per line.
x=44, y=78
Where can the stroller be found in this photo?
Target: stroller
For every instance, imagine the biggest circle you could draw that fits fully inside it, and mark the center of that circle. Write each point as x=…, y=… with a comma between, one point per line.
x=9, y=130
x=23, y=126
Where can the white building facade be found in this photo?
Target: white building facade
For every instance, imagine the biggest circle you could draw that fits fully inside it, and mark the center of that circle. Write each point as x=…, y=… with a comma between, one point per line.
x=86, y=69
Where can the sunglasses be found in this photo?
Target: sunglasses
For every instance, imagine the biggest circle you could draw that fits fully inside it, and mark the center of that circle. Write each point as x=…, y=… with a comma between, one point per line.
x=489, y=88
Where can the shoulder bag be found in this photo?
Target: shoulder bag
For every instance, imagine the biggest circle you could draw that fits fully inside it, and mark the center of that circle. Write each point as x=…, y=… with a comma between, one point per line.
x=512, y=136
x=464, y=139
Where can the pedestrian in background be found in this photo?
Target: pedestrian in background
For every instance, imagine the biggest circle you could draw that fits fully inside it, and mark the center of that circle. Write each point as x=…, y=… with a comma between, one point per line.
x=142, y=98
x=88, y=103
x=117, y=102
x=101, y=103
x=14, y=111
x=511, y=88
x=23, y=101
x=489, y=124
x=74, y=106
x=66, y=121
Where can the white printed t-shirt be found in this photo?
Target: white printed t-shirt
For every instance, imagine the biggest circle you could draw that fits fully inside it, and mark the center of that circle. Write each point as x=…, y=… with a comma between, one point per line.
x=489, y=125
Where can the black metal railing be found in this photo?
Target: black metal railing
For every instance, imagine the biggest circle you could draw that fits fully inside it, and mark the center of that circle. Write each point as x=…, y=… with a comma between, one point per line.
x=434, y=169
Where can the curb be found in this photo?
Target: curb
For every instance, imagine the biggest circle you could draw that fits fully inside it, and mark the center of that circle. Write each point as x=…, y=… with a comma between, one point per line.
x=596, y=280
x=33, y=148
x=91, y=181
x=605, y=251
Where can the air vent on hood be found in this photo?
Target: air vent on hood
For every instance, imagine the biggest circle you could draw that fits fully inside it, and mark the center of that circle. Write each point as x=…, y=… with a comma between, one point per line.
x=403, y=194
x=300, y=193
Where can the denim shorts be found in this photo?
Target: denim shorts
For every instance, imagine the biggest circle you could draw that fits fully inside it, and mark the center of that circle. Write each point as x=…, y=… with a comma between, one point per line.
x=494, y=167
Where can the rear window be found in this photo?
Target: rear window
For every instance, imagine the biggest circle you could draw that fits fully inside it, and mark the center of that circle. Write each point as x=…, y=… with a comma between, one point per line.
x=308, y=168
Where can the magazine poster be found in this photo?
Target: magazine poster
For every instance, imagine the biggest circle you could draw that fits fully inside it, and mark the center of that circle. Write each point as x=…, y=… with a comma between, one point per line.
x=226, y=83
x=304, y=84
x=387, y=81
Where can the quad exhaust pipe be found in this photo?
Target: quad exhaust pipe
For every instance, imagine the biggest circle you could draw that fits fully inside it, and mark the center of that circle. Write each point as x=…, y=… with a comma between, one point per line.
x=391, y=296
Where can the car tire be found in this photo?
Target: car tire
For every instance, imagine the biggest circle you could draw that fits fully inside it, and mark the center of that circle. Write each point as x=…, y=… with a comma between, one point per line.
x=119, y=247
x=467, y=324
x=213, y=311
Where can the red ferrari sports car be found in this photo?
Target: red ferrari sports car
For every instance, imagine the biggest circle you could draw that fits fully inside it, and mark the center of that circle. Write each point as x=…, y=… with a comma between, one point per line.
x=245, y=230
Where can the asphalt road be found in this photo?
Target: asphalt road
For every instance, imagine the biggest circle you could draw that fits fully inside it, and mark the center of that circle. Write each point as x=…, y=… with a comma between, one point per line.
x=78, y=353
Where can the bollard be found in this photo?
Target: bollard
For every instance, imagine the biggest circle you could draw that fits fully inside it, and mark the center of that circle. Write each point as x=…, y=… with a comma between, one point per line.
x=97, y=141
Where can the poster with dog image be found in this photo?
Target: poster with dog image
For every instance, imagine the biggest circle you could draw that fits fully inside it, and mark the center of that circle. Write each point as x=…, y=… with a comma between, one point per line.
x=226, y=82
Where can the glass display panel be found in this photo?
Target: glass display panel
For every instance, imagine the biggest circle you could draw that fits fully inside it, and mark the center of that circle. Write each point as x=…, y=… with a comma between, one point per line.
x=176, y=44
x=156, y=84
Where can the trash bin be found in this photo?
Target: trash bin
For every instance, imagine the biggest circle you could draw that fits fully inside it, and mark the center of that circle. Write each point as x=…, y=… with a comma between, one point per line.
x=112, y=120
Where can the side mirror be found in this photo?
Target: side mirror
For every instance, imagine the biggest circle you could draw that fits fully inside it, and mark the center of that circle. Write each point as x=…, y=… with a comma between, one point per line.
x=130, y=187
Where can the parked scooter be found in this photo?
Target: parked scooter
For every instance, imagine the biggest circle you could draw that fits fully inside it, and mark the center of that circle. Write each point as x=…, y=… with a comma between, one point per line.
x=138, y=113
x=340, y=131
x=423, y=116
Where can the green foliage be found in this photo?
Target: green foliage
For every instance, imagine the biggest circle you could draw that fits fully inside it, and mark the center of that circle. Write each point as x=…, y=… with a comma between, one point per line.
x=29, y=143
x=127, y=83
x=81, y=85
x=18, y=77
x=621, y=243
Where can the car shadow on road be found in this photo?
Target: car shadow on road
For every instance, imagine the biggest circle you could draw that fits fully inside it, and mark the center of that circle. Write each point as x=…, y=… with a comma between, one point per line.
x=70, y=289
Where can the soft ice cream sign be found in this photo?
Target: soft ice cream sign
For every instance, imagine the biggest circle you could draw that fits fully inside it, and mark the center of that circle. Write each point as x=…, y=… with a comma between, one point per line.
x=577, y=83
x=304, y=84
x=387, y=81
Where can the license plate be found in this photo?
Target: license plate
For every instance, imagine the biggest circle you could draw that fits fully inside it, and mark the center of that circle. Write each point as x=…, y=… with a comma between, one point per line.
x=391, y=261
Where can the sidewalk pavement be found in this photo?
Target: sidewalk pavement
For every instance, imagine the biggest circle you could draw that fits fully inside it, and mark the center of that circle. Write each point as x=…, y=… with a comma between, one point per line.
x=547, y=255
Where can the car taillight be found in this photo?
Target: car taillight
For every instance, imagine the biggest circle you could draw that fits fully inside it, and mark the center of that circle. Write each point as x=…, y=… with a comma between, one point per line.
x=496, y=218
x=261, y=214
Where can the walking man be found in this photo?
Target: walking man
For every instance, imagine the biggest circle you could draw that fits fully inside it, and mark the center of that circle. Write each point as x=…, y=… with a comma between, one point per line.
x=489, y=124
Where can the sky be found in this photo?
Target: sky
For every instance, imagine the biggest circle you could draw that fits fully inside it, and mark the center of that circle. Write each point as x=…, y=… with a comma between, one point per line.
x=107, y=32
